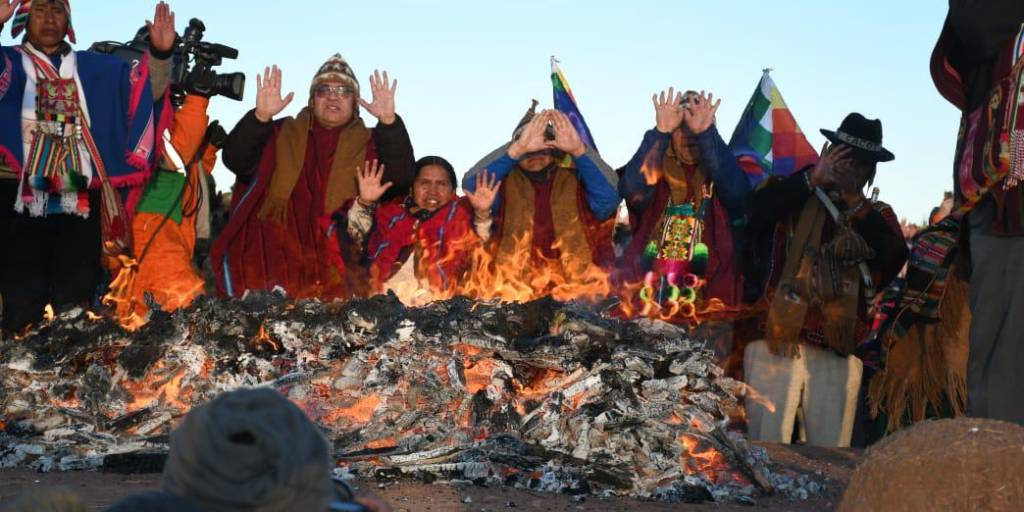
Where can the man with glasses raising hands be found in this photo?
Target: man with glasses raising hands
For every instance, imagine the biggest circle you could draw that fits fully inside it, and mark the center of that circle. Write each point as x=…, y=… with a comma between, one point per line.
x=294, y=172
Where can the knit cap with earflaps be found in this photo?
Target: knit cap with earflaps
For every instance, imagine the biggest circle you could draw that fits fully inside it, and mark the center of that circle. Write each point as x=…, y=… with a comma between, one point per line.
x=249, y=450
x=21, y=18
x=336, y=69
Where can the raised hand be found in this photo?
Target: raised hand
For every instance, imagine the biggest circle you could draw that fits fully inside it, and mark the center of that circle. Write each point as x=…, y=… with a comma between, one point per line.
x=383, y=105
x=824, y=172
x=269, y=102
x=161, y=29
x=701, y=114
x=7, y=9
x=482, y=199
x=370, y=187
x=532, y=137
x=668, y=111
x=566, y=137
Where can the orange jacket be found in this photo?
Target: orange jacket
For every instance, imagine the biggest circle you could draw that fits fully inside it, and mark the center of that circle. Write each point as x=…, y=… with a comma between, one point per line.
x=166, y=270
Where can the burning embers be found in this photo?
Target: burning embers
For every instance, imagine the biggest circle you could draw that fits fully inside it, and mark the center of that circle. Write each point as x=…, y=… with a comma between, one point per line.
x=543, y=395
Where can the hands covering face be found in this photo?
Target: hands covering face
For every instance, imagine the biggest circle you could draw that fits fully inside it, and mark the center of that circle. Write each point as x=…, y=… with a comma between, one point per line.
x=533, y=138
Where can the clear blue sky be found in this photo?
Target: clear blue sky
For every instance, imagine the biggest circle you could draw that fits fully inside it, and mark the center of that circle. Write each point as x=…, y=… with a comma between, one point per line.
x=467, y=70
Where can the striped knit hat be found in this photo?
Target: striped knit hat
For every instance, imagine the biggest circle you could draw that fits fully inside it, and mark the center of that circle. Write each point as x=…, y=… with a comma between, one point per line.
x=336, y=69
x=21, y=18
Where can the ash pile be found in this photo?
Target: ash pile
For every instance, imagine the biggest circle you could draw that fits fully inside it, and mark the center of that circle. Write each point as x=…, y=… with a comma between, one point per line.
x=542, y=395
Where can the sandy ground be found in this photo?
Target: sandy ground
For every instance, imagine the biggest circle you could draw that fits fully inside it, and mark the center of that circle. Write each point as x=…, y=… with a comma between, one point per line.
x=834, y=467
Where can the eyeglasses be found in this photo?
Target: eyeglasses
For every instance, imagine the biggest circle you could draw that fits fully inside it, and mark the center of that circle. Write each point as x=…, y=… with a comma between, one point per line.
x=324, y=91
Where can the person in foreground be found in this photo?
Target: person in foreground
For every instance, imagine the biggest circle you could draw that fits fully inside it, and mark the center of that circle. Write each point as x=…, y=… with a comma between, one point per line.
x=249, y=450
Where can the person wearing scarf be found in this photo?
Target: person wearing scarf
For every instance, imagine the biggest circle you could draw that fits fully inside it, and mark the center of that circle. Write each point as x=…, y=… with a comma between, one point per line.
x=64, y=116
x=293, y=173
x=419, y=246
x=684, y=174
x=831, y=249
x=556, y=207
x=978, y=66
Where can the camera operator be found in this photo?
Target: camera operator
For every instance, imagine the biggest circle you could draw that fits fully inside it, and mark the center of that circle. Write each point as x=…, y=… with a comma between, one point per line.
x=70, y=122
x=173, y=213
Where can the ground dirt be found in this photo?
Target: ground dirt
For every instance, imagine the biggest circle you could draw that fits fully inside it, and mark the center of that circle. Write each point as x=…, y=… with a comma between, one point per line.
x=830, y=466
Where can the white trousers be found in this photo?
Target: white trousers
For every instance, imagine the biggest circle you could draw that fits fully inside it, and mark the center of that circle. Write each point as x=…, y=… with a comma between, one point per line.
x=818, y=384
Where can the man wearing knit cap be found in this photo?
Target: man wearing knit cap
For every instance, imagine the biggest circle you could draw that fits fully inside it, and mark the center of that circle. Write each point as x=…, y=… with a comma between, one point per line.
x=293, y=173
x=69, y=120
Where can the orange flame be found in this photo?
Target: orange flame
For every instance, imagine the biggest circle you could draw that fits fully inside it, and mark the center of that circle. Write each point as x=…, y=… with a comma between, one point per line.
x=678, y=311
x=158, y=387
x=527, y=275
x=264, y=341
x=750, y=393
x=709, y=462
x=121, y=295
x=48, y=314
x=361, y=411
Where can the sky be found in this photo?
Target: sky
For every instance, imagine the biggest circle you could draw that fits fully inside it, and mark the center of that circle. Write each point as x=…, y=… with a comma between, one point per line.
x=467, y=70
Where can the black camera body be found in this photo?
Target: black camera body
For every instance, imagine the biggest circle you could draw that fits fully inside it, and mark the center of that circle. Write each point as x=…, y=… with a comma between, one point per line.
x=205, y=56
x=193, y=61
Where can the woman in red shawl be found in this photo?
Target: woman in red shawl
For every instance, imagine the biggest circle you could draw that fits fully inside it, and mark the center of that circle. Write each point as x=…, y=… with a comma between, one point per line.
x=419, y=246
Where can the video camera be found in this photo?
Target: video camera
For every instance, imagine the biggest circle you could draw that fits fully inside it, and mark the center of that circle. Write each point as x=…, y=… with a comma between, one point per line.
x=193, y=62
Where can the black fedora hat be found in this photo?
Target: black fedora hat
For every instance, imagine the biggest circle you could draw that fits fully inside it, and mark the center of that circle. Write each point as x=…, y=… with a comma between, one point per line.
x=863, y=135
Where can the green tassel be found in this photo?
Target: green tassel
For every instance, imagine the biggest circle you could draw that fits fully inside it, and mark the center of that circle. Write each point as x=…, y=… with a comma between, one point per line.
x=77, y=182
x=651, y=250
x=699, y=259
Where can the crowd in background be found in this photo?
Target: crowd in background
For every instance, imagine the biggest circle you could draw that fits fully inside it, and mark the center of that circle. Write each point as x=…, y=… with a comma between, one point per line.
x=847, y=323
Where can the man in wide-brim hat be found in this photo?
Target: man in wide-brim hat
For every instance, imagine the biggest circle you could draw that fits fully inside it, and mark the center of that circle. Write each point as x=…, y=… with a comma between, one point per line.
x=826, y=248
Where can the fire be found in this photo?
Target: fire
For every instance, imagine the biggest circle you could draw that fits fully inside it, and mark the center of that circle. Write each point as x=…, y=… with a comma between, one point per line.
x=478, y=370
x=71, y=402
x=123, y=299
x=159, y=387
x=709, y=462
x=121, y=295
x=361, y=411
x=652, y=174
x=479, y=374
x=528, y=276
x=48, y=314
x=387, y=442
x=679, y=311
x=263, y=340
x=750, y=393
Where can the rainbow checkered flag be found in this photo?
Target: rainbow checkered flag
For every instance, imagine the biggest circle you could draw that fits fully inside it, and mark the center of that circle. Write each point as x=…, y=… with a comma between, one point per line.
x=565, y=103
x=767, y=141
